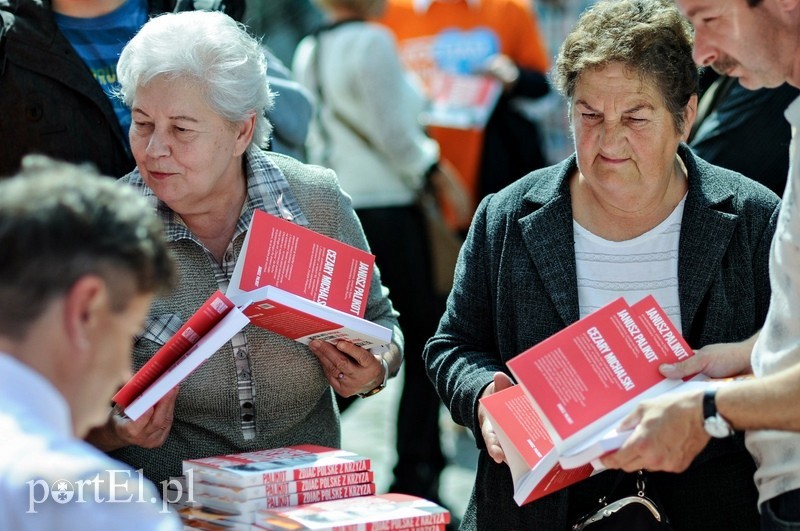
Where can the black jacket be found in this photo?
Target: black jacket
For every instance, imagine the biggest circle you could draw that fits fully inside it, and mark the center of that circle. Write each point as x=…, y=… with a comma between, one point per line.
x=49, y=101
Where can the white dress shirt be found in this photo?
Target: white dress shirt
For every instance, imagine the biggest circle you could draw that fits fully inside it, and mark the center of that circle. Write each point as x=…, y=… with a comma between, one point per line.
x=777, y=453
x=50, y=480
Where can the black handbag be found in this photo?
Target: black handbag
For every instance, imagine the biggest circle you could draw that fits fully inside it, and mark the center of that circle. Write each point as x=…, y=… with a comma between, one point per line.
x=639, y=511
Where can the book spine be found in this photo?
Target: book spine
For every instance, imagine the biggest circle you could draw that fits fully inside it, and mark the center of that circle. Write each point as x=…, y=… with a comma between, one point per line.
x=409, y=522
x=194, y=357
x=315, y=471
x=324, y=482
x=314, y=496
x=199, y=324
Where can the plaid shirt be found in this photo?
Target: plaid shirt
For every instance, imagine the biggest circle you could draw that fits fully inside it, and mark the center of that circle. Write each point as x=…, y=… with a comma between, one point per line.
x=268, y=190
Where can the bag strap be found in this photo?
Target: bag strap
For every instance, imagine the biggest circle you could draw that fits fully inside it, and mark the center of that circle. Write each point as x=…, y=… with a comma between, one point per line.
x=315, y=64
x=324, y=133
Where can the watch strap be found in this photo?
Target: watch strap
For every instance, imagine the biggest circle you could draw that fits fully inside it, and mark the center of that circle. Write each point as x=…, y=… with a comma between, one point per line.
x=714, y=423
x=709, y=403
x=381, y=386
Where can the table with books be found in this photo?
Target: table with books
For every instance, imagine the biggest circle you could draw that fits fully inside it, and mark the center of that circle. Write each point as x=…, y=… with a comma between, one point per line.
x=297, y=487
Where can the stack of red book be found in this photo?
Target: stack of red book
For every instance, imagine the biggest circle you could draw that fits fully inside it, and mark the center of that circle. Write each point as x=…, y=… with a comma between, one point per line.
x=379, y=512
x=229, y=490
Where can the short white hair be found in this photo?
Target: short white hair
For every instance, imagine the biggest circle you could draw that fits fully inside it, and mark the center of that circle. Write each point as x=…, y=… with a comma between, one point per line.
x=209, y=49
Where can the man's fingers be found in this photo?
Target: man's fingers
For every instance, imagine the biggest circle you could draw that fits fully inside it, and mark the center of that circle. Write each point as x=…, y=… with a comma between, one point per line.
x=682, y=369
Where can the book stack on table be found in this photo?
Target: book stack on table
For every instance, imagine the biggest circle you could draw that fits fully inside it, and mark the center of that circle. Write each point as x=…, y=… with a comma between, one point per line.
x=378, y=512
x=228, y=491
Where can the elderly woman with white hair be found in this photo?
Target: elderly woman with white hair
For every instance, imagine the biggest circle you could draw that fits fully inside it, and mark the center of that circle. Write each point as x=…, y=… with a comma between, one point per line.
x=196, y=87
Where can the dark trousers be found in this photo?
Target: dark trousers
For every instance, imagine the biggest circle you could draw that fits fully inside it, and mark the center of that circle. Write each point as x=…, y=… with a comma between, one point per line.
x=397, y=238
x=781, y=513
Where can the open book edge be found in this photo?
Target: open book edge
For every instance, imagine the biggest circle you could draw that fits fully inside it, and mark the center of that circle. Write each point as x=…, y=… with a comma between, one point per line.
x=329, y=323
x=530, y=455
x=616, y=342
x=611, y=439
x=232, y=323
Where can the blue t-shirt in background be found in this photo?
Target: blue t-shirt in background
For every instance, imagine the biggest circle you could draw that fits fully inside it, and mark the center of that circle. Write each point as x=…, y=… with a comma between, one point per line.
x=99, y=41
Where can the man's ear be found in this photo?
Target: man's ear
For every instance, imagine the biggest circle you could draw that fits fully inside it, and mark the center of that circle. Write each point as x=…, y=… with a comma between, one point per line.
x=84, y=305
x=690, y=114
x=245, y=130
x=788, y=5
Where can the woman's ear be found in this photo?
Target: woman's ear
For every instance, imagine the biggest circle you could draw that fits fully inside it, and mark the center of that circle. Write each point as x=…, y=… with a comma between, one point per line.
x=689, y=116
x=245, y=130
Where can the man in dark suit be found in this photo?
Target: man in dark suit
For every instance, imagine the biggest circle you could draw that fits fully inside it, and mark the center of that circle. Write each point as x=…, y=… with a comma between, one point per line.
x=744, y=130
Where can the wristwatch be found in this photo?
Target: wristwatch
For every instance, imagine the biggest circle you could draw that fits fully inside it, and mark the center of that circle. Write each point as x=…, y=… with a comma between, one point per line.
x=715, y=425
x=381, y=386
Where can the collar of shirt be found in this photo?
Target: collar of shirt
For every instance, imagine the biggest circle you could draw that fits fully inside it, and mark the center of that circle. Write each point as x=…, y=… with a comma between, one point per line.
x=267, y=189
x=422, y=6
x=792, y=113
x=29, y=397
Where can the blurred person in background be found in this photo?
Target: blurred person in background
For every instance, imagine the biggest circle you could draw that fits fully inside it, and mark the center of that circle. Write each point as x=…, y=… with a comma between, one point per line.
x=462, y=51
x=555, y=19
x=367, y=129
x=58, y=78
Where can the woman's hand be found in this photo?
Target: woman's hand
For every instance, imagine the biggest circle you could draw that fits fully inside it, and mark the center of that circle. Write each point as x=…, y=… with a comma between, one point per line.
x=349, y=369
x=148, y=431
x=501, y=381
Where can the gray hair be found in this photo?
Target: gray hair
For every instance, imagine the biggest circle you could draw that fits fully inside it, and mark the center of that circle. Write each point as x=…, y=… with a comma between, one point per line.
x=209, y=49
x=649, y=37
x=60, y=222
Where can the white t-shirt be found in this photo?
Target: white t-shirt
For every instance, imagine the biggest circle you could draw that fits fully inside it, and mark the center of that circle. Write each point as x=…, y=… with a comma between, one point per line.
x=51, y=480
x=635, y=268
x=777, y=453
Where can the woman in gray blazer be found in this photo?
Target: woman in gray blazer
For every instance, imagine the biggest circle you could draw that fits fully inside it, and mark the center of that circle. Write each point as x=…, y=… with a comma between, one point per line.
x=633, y=212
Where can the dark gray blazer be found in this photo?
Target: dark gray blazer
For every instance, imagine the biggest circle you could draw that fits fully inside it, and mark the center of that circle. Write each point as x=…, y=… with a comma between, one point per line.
x=515, y=285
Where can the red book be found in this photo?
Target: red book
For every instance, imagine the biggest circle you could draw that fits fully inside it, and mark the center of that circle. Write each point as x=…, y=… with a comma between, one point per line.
x=288, y=279
x=303, y=320
x=211, y=520
x=235, y=506
x=455, y=100
x=530, y=454
x=276, y=465
x=303, y=285
x=368, y=513
x=284, y=488
x=213, y=324
x=584, y=379
x=279, y=253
